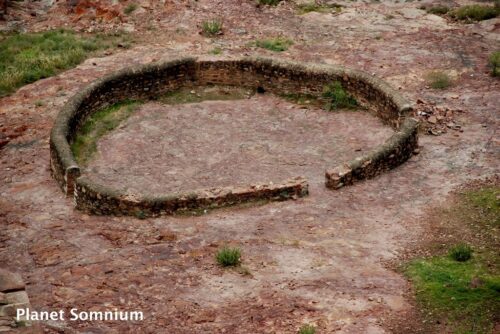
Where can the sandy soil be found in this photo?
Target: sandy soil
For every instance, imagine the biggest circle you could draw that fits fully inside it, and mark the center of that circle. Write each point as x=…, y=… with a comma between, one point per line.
x=319, y=259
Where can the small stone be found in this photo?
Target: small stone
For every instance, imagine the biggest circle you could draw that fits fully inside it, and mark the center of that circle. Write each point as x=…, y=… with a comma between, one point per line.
x=432, y=120
x=18, y=297
x=10, y=281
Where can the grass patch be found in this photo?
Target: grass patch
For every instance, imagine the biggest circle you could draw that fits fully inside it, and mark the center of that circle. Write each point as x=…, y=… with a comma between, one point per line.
x=26, y=58
x=438, y=80
x=457, y=289
x=333, y=97
x=130, y=8
x=494, y=62
x=314, y=7
x=97, y=125
x=461, y=252
x=274, y=44
x=336, y=97
x=307, y=329
x=215, y=51
x=207, y=93
x=212, y=27
x=446, y=287
x=437, y=10
x=228, y=257
x=269, y=2
x=475, y=13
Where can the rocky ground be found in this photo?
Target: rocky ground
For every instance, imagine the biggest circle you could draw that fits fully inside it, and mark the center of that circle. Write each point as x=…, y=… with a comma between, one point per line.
x=320, y=259
x=230, y=143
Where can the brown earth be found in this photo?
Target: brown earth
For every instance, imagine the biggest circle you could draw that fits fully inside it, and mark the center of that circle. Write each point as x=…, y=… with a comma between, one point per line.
x=319, y=259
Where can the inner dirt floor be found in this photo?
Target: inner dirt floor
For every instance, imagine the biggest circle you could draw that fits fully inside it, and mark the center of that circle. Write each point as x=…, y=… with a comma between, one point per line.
x=319, y=259
x=164, y=148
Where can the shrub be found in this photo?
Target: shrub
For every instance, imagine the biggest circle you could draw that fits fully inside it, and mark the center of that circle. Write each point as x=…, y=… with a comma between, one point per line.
x=438, y=80
x=212, y=27
x=461, y=252
x=227, y=256
x=337, y=97
x=307, y=329
x=130, y=8
x=275, y=44
x=494, y=63
x=269, y=2
x=474, y=13
x=438, y=10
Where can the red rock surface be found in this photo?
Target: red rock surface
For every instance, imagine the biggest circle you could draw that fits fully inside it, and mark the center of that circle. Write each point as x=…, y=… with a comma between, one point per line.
x=319, y=259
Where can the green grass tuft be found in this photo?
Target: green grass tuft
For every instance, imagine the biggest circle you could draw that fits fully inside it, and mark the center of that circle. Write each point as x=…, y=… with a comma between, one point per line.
x=26, y=58
x=212, y=27
x=438, y=10
x=274, y=44
x=438, y=80
x=494, y=62
x=336, y=97
x=307, y=329
x=215, y=51
x=475, y=13
x=461, y=252
x=97, y=125
x=227, y=257
x=130, y=8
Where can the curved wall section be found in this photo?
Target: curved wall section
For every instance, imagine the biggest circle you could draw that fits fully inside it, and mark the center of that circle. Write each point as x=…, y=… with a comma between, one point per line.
x=279, y=77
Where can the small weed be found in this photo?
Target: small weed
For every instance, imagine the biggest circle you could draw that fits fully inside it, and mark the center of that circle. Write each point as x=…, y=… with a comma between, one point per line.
x=314, y=7
x=337, y=97
x=475, y=13
x=269, y=2
x=438, y=10
x=438, y=80
x=494, y=62
x=389, y=17
x=307, y=329
x=274, y=44
x=215, y=51
x=38, y=103
x=212, y=27
x=227, y=256
x=461, y=252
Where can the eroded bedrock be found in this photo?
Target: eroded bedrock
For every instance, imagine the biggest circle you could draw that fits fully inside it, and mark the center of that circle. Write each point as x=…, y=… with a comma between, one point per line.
x=177, y=148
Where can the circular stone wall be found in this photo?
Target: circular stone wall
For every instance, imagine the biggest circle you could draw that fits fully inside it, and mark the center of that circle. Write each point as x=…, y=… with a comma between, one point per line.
x=278, y=77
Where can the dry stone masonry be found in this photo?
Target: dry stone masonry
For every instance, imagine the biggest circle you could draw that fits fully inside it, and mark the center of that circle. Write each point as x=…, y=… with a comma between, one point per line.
x=278, y=77
x=13, y=297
